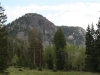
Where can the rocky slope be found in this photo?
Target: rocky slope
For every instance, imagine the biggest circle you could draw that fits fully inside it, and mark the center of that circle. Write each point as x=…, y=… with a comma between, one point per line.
x=74, y=35
x=20, y=28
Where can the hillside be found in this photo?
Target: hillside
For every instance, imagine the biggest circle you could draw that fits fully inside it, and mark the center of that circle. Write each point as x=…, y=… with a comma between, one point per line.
x=74, y=35
x=20, y=28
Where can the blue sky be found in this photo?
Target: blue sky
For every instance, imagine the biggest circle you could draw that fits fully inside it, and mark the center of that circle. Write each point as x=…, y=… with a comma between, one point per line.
x=60, y=12
x=43, y=2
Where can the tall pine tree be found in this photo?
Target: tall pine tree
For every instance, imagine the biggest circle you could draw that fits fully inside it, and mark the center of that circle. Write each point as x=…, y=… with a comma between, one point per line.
x=40, y=51
x=3, y=42
x=36, y=48
x=33, y=47
x=92, y=49
x=97, y=47
x=60, y=43
x=94, y=60
x=88, y=44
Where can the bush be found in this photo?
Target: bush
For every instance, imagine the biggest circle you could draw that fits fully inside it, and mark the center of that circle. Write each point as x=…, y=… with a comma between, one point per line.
x=6, y=73
x=18, y=67
x=54, y=69
x=20, y=70
x=39, y=69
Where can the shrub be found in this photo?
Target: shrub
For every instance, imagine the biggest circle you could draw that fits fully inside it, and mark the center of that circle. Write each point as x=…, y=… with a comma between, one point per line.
x=39, y=69
x=20, y=70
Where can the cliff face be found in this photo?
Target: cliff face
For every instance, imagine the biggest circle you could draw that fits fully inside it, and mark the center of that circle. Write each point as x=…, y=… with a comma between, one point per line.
x=20, y=28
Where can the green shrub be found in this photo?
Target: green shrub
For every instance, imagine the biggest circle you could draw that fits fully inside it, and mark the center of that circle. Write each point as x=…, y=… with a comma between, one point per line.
x=20, y=70
x=39, y=69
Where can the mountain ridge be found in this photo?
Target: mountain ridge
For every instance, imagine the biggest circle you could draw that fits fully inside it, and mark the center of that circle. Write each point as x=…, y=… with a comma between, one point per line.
x=21, y=27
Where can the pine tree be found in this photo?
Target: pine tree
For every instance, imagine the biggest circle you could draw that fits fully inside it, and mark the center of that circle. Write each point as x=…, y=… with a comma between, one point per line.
x=40, y=47
x=60, y=43
x=33, y=47
x=94, y=60
x=36, y=48
x=97, y=48
x=92, y=49
x=3, y=42
x=88, y=49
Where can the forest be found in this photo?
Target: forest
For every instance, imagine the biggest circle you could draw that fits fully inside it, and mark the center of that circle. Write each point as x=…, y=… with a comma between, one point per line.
x=60, y=56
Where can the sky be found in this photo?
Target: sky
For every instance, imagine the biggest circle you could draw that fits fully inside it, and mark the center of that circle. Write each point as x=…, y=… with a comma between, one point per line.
x=61, y=12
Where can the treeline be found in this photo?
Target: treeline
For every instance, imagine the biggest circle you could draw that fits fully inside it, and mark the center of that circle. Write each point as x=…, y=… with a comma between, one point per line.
x=60, y=56
x=74, y=61
x=31, y=54
x=18, y=52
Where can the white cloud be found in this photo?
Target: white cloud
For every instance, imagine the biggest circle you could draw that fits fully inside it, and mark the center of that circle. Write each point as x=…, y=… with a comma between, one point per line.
x=73, y=14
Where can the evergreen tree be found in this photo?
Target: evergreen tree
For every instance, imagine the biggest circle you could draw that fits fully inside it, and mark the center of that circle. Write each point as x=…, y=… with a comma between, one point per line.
x=88, y=44
x=94, y=60
x=3, y=42
x=36, y=48
x=33, y=47
x=40, y=51
x=4, y=55
x=92, y=49
x=97, y=48
x=60, y=43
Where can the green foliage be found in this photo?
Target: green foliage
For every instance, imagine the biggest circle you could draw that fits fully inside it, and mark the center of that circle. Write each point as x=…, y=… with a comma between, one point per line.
x=74, y=61
x=60, y=43
x=19, y=48
x=90, y=50
x=93, y=49
x=54, y=67
x=15, y=60
x=35, y=48
x=3, y=17
x=76, y=58
x=4, y=53
x=97, y=49
x=40, y=69
x=49, y=57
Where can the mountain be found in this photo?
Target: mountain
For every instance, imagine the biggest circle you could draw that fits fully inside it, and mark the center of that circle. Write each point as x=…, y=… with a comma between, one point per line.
x=20, y=28
x=74, y=35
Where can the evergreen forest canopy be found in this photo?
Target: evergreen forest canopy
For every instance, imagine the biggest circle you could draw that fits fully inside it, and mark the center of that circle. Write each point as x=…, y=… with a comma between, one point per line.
x=58, y=56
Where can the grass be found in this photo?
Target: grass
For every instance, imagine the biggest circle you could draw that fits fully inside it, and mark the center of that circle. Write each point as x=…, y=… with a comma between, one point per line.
x=15, y=71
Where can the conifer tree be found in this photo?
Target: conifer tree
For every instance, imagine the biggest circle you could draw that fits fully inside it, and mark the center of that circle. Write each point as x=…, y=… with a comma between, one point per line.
x=60, y=43
x=94, y=60
x=40, y=51
x=3, y=42
x=33, y=47
x=88, y=49
x=97, y=48
x=92, y=49
x=36, y=48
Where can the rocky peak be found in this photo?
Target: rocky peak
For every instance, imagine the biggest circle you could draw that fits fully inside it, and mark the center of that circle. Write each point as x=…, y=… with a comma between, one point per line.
x=21, y=26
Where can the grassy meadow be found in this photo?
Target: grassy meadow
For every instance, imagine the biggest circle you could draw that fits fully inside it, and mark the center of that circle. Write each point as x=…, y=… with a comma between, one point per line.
x=15, y=71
